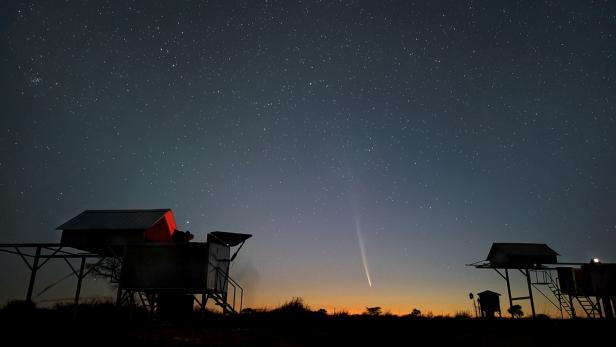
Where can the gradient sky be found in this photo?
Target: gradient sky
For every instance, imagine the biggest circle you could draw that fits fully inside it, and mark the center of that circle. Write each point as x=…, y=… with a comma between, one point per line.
x=430, y=130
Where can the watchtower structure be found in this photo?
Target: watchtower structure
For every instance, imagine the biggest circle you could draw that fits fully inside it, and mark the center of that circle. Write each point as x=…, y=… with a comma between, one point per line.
x=154, y=262
x=568, y=284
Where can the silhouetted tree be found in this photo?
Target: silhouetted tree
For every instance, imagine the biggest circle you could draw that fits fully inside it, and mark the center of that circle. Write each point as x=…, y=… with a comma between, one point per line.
x=373, y=311
x=415, y=313
x=516, y=311
x=109, y=269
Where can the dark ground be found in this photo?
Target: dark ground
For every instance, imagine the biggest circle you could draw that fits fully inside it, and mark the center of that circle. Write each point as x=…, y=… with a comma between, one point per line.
x=102, y=325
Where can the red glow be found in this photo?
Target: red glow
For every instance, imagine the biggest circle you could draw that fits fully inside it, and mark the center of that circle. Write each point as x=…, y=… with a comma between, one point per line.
x=163, y=230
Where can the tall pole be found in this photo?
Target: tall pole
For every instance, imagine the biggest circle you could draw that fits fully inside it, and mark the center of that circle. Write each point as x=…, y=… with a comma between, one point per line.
x=530, y=292
x=598, y=299
x=509, y=290
x=119, y=296
x=78, y=290
x=33, y=270
x=119, y=292
x=79, y=279
x=607, y=308
x=203, y=301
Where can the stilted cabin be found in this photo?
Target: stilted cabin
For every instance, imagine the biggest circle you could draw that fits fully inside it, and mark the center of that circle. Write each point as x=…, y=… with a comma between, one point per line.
x=521, y=255
x=154, y=261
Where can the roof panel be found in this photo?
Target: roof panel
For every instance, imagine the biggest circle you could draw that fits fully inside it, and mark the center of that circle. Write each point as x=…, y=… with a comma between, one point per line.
x=521, y=249
x=114, y=220
x=230, y=239
x=488, y=292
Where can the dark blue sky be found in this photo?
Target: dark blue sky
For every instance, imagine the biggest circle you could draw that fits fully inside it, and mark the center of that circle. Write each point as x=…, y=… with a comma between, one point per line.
x=430, y=130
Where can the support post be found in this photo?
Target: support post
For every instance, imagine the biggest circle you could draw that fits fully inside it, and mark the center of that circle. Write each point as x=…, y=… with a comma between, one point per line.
x=571, y=305
x=598, y=299
x=131, y=303
x=33, y=270
x=607, y=307
x=152, y=302
x=79, y=280
x=203, y=301
x=530, y=292
x=509, y=290
x=119, y=293
x=119, y=297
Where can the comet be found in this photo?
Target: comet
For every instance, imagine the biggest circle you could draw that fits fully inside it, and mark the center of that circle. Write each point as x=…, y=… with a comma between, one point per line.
x=360, y=241
x=356, y=216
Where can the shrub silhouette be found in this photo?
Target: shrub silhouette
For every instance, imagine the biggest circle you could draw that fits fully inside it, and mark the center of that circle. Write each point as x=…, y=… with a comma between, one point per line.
x=294, y=306
x=516, y=311
x=19, y=306
x=18, y=309
x=462, y=315
x=373, y=311
x=415, y=313
x=248, y=310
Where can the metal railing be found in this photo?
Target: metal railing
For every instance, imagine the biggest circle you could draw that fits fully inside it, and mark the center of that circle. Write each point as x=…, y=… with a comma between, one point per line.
x=227, y=280
x=565, y=302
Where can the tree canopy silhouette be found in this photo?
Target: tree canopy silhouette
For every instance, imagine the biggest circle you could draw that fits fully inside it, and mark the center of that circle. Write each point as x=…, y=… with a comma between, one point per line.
x=373, y=311
x=516, y=311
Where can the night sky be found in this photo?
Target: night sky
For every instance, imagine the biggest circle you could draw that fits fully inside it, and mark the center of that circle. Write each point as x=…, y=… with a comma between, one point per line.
x=422, y=132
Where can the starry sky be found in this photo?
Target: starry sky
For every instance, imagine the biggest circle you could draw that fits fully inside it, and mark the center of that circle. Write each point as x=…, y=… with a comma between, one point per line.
x=394, y=138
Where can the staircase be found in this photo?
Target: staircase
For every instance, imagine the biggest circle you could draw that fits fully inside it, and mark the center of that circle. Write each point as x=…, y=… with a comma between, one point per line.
x=589, y=307
x=221, y=298
x=563, y=300
x=544, y=277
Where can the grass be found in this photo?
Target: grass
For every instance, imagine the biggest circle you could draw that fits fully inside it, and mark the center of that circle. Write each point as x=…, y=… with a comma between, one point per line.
x=292, y=324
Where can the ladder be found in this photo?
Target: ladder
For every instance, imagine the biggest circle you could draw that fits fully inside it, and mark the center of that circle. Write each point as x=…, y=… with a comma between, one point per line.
x=545, y=278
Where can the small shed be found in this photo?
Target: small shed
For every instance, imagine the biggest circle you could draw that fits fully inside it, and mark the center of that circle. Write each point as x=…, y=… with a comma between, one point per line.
x=521, y=255
x=489, y=302
x=102, y=231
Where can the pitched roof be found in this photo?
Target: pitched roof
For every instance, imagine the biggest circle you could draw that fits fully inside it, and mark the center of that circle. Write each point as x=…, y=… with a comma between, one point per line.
x=521, y=249
x=114, y=220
